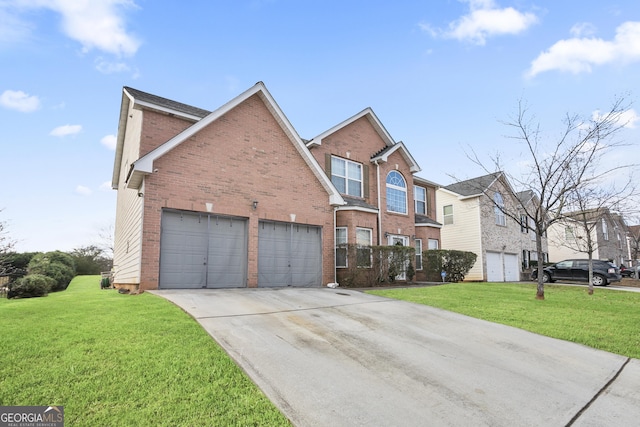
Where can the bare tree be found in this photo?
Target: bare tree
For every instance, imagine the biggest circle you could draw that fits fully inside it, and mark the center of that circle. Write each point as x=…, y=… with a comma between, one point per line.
x=105, y=239
x=557, y=170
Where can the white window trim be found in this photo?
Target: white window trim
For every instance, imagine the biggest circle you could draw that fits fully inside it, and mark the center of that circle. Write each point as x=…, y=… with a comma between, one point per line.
x=418, y=254
x=445, y=216
x=398, y=188
x=416, y=200
x=369, y=244
x=498, y=209
x=346, y=236
x=347, y=178
x=429, y=244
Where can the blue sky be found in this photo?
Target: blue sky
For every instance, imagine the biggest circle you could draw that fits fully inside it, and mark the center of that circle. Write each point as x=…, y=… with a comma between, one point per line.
x=442, y=76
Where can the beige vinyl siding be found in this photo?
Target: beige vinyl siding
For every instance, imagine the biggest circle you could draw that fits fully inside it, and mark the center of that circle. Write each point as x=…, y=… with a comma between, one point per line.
x=559, y=247
x=128, y=230
x=465, y=232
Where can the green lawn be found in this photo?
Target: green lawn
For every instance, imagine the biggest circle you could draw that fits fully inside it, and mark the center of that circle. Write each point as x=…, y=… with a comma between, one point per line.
x=122, y=360
x=608, y=320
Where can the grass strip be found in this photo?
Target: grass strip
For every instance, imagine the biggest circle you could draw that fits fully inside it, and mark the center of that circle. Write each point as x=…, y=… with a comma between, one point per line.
x=607, y=320
x=113, y=359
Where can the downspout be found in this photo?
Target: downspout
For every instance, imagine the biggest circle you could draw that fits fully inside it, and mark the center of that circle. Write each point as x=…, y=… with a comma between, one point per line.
x=335, y=249
x=379, y=211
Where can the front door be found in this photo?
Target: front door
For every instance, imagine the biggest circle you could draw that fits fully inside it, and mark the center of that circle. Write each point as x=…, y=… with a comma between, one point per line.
x=396, y=240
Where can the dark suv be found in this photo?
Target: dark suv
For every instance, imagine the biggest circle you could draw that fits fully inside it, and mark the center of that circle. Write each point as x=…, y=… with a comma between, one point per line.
x=604, y=272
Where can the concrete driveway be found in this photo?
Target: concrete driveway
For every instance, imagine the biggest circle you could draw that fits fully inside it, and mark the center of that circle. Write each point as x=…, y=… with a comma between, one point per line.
x=334, y=357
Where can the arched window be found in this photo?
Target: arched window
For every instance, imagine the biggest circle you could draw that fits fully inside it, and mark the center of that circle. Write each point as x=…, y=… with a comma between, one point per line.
x=499, y=209
x=396, y=193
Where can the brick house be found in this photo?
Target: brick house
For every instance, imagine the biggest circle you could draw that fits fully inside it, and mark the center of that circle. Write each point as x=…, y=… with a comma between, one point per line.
x=235, y=198
x=473, y=222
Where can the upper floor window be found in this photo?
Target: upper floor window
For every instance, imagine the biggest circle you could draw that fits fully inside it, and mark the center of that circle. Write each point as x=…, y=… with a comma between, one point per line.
x=499, y=209
x=605, y=230
x=396, y=193
x=420, y=196
x=346, y=176
x=523, y=223
x=447, y=214
x=569, y=233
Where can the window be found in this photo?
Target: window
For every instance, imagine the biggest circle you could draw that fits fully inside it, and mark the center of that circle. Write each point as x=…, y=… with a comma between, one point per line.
x=396, y=193
x=341, y=247
x=499, y=209
x=418, y=254
x=420, y=196
x=605, y=230
x=433, y=244
x=569, y=233
x=346, y=176
x=363, y=243
x=447, y=213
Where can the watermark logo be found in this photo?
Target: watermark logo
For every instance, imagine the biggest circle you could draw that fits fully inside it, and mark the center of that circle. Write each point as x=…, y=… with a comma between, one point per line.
x=31, y=416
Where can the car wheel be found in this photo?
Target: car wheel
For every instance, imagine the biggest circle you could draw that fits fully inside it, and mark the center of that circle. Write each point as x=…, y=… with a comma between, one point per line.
x=546, y=278
x=598, y=280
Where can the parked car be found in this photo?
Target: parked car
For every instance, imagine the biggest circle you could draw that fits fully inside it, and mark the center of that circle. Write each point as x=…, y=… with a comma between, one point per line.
x=604, y=272
x=630, y=271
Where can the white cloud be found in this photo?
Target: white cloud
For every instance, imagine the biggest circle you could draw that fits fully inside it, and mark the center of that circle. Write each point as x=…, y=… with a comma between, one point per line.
x=582, y=29
x=109, y=141
x=626, y=119
x=107, y=67
x=83, y=191
x=66, y=130
x=96, y=24
x=577, y=55
x=106, y=186
x=20, y=101
x=485, y=19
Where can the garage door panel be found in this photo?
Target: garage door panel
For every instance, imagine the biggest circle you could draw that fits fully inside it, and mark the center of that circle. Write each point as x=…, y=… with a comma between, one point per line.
x=183, y=251
x=306, y=263
x=227, y=252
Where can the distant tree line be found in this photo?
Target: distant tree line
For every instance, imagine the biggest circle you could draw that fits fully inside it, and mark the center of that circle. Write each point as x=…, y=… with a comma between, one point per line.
x=32, y=274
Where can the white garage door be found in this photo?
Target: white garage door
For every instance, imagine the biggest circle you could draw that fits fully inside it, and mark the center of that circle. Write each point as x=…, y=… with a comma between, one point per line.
x=511, y=268
x=494, y=267
x=199, y=250
x=502, y=267
x=289, y=254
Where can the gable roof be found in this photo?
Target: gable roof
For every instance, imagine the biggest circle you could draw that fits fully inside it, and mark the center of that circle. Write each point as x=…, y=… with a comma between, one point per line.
x=369, y=115
x=144, y=165
x=383, y=156
x=154, y=102
x=475, y=186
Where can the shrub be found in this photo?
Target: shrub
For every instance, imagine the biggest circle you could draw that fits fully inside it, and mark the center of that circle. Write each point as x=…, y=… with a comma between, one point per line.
x=57, y=265
x=373, y=265
x=456, y=264
x=33, y=285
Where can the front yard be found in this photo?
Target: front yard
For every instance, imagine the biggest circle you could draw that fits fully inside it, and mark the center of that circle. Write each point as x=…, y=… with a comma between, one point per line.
x=607, y=320
x=113, y=359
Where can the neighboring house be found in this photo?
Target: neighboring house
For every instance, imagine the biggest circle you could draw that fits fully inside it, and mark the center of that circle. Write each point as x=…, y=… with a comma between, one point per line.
x=472, y=221
x=235, y=198
x=609, y=234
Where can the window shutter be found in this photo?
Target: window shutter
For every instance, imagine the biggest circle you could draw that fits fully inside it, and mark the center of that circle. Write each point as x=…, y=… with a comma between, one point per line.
x=327, y=164
x=365, y=181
